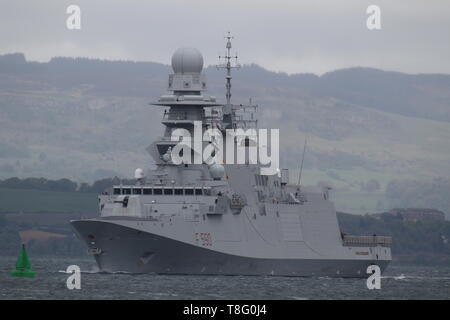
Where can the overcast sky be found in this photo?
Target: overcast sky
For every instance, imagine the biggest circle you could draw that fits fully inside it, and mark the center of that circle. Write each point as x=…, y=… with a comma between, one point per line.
x=290, y=36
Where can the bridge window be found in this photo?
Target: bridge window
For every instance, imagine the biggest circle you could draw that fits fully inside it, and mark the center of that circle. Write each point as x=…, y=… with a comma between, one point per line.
x=137, y=191
x=126, y=191
x=198, y=192
x=261, y=180
x=116, y=190
x=178, y=192
x=147, y=191
x=189, y=192
x=168, y=192
x=157, y=191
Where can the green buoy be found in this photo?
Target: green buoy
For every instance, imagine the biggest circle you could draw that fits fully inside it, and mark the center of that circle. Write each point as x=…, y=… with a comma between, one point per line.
x=23, y=265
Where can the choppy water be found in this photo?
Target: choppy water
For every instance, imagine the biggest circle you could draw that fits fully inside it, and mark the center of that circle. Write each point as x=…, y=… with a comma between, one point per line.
x=399, y=282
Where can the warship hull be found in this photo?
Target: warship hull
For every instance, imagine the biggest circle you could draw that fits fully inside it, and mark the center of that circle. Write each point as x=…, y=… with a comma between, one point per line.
x=210, y=207
x=125, y=249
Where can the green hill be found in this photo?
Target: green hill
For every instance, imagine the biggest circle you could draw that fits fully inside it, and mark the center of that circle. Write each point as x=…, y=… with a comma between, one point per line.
x=87, y=119
x=23, y=200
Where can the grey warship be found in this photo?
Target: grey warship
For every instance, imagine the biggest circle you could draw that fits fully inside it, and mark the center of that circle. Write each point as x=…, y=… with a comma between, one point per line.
x=220, y=218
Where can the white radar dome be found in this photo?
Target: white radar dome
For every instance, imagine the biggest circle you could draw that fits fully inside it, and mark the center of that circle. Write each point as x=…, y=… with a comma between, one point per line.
x=187, y=60
x=139, y=173
x=217, y=171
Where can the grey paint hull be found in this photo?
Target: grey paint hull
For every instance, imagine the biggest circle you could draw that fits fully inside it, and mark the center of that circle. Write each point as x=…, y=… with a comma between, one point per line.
x=234, y=217
x=129, y=250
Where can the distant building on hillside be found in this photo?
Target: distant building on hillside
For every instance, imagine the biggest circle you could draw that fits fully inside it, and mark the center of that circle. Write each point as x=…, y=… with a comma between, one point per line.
x=419, y=214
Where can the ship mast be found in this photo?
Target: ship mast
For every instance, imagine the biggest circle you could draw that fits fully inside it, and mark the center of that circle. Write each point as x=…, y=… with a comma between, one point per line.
x=227, y=110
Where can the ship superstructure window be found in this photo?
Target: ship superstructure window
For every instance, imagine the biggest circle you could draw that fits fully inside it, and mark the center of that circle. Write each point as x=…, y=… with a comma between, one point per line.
x=265, y=179
x=261, y=180
x=178, y=191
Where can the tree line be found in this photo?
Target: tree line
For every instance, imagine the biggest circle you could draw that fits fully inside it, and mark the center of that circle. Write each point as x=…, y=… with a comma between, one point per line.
x=62, y=185
x=419, y=243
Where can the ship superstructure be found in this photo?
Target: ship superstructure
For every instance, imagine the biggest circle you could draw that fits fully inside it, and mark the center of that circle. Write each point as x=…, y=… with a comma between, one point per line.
x=219, y=218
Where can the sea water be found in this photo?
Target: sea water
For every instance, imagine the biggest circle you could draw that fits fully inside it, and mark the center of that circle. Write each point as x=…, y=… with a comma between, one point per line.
x=398, y=282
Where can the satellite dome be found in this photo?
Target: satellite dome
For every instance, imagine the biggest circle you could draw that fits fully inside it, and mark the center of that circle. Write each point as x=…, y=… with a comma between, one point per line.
x=187, y=60
x=217, y=171
x=139, y=173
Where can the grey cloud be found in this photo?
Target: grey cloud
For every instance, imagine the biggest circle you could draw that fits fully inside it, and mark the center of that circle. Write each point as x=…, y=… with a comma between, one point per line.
x=288, y=36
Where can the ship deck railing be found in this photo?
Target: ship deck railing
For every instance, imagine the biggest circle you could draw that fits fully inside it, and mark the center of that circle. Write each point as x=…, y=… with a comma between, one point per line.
x=367, y=241
x=160, y=190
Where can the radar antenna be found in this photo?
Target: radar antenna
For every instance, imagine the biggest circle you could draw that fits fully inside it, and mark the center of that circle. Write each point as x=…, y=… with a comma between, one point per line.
x=228, y=66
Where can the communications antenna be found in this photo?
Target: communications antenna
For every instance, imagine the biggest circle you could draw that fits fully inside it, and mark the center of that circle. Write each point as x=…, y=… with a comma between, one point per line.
x=228, y=66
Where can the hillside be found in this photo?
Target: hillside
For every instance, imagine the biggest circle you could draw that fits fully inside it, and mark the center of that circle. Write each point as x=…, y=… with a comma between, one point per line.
x=421, y=242
x=36, y=201
x=88, y=119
